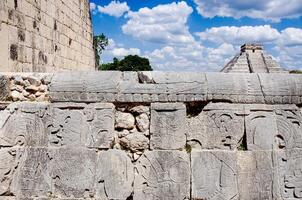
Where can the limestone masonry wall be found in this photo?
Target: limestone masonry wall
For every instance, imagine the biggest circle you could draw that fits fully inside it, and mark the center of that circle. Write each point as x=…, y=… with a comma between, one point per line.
x=45, y=36
x=150, y=136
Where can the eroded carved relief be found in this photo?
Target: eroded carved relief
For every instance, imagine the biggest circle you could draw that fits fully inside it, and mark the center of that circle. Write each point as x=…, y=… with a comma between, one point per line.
x=167, y=126
x=289, y=168
x=214, y=175
x=255, y=175
x=115, y=175
x=24, y=126
x=32, y=178
x=219, y=126
x=72, y=172
x=79, y=124
x=162, y=175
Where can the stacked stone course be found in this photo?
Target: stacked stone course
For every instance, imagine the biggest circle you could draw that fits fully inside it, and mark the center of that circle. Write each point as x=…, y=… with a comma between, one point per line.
x=151, y=135
x=45, y=35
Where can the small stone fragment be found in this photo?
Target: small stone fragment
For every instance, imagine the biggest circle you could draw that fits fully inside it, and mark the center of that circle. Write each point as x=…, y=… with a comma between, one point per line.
x=140, y=109
x=34, y=81
x=42, y=88
x=124, y=120
x=18, y=80
x=18, y=88
x=142, y=122
x=32, y=88
x=122, y=133
x=135, y=142
x=16, y=95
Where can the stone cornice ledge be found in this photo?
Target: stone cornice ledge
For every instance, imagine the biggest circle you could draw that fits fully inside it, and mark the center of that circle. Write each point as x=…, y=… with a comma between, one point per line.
x=112, y=86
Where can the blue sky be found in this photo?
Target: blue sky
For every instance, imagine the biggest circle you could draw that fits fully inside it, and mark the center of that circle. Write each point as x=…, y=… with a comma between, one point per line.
x=198, y=35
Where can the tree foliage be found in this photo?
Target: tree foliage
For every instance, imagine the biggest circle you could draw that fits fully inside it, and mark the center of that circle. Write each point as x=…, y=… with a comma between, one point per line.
x=295, y=72
x=99, y=44
x=129, y=63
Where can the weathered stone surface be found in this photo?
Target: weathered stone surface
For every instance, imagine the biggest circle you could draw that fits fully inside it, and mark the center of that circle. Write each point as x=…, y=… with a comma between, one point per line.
x=238, y=88
x=79, y=124
x=162, y=175
x=219, y=126
x=214, y=175
x=167, y=129
x=124, y=120
x=73, y=172
x=255, y=175
x=7, y=169
x=115, y=175
x=33, y=176
x=24, y=127
x=289, y=168
x=143, y=122
x=135, y=142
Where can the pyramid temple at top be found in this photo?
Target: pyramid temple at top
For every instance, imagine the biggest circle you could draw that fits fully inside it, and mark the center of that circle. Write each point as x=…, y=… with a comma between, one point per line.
x=252, y=59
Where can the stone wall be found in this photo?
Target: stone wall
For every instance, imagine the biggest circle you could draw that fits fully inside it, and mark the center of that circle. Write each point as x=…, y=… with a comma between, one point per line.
x=151, y=135
x=45, y=36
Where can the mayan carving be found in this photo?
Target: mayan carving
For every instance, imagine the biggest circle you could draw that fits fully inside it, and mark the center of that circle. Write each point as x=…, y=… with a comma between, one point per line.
x=33, y=176
x=76, y=124
x=162, y=175
x=73, y=172
x=115, y=175
x=167, y=126
x=219, y=126
x=214, y=175
x=289, y=168
x=255, y=175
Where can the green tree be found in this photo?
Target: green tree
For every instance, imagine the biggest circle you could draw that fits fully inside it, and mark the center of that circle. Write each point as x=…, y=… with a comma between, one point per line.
x=129, y=63
x=295, y=71
x=99, y=44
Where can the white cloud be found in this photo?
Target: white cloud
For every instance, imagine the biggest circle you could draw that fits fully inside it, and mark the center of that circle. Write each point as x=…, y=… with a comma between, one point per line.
x=121, y=52
x=114, y=8
x=267, y=10
x=92, y=6
x=161, y=24
x=240, y=35
x=291, y=36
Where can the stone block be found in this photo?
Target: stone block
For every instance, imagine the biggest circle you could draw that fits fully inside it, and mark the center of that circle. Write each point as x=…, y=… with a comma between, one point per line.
x=255, y=175
x=75, y=124
x=214, y=175
x=240, y=88
x=219, y=126
x=29, y=129
x=33, y=174
x=81, y=83
x=115, y=175
x=168, y=123
x=73, y=172
x=289, y=174
x=162, y=175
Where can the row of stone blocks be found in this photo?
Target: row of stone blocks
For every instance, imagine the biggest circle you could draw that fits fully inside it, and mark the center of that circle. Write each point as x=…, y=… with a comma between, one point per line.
x=150, y=87
x=78, y=173
x=220, y=151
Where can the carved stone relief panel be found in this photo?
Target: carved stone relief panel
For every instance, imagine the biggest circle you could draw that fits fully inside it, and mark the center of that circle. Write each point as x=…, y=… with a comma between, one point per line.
x=255, y=175
x=289, y=172
x=167, y=129
x=214, y=175
x=22, y=125
x=115, y=175
x=32, y=178
x=80, y=124
x=219, y=126
x=73, y=172
x=162, y=175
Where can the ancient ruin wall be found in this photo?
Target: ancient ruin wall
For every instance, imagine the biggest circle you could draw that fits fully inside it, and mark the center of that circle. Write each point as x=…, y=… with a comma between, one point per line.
x=45, y=36
x=150, y=135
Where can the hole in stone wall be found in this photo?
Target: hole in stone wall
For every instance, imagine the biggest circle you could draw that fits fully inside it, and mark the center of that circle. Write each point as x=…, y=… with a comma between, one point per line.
x=70, y=41
x=21, y=35
x=42, y=58
x=13, y=52
x=16, y=4
x=55, y=27
x=34, y=24
x=56, y=48
x=195, y=108
x=242, y=144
